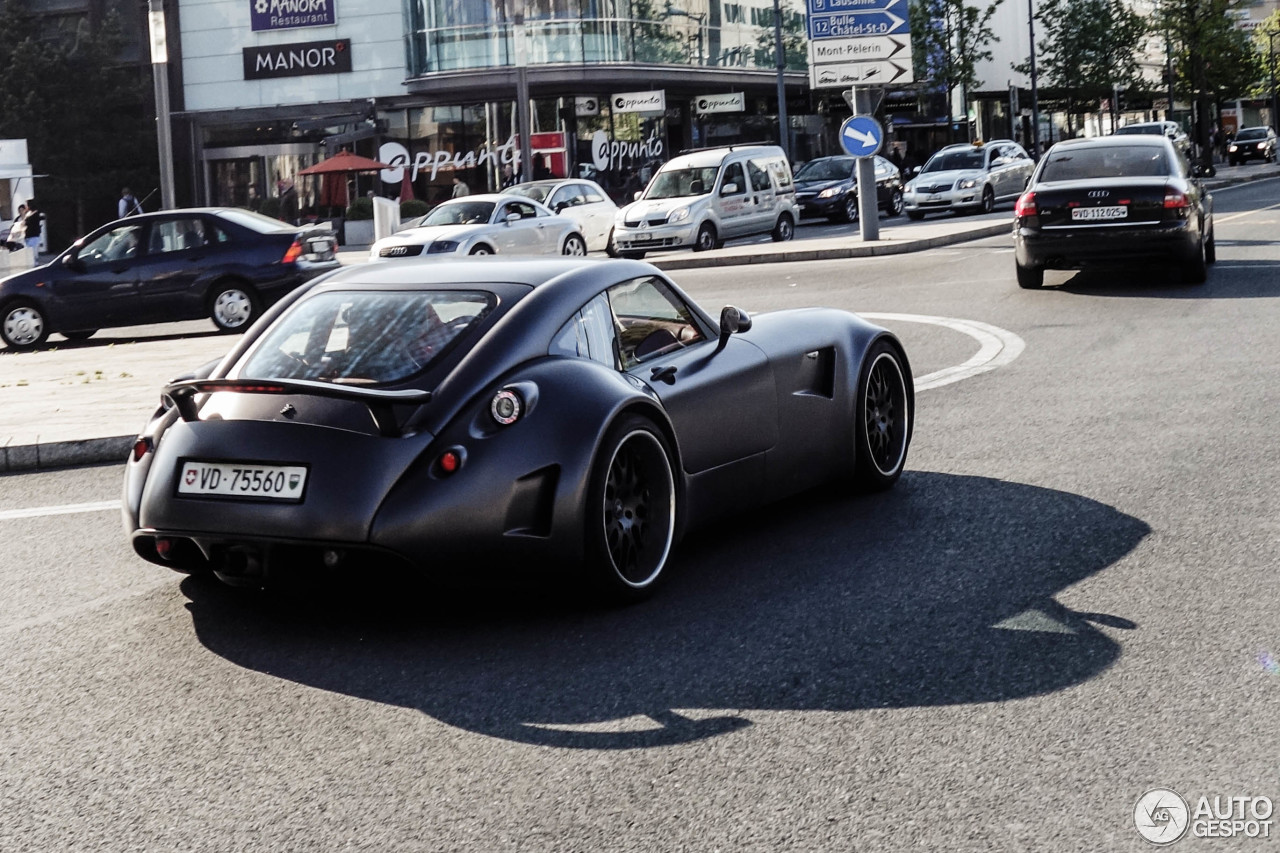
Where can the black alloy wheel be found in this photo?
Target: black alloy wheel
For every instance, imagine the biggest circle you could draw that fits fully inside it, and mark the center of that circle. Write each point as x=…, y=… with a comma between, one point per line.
x=851, y=207
x=883, y=427
x=631, y=510
x=988, y=200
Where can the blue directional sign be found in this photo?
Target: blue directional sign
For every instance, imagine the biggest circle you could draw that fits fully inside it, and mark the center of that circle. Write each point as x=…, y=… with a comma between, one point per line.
x=852, y=19
x=861, y=136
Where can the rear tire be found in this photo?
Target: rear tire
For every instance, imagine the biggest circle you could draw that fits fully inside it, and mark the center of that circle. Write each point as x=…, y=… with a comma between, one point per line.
x=1196, y=270
x=1029, y=278
x=233, y=306
x=631, y=510
x=882, y=426
x=784, y=230
x=1210, y=250
x=22, y=325
x=574, y=245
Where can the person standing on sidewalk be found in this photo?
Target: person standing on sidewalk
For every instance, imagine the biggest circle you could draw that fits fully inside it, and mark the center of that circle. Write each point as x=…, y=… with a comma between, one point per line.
x=17, y=232
x=128, y=204
x=31, y=226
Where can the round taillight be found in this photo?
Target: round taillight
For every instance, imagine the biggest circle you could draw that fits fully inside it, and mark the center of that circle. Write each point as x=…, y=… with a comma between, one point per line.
x=506, y=407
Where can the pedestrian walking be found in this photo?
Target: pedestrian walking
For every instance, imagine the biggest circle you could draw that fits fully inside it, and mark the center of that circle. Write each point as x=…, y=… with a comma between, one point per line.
x=460, y=188
x=288, y=194
x=31, y=226
x=128, y=204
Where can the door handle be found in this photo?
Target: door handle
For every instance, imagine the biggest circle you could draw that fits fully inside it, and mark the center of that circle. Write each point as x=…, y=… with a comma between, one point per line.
x=666, y=373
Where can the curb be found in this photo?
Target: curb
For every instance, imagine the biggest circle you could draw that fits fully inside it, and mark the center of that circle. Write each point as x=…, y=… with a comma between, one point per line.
x=64, y=454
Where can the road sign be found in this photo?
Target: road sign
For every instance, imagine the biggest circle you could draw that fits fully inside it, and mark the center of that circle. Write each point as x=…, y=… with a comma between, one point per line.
x=841, y=51
x=878, y=22
x=860, y=74
x=861, y=136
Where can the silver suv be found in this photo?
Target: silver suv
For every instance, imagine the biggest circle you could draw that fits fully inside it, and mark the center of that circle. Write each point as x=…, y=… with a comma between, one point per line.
x=973, y=177
x=705, y=197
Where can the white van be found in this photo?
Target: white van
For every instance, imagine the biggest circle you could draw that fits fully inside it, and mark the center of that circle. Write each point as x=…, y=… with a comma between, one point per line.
x=702, y=198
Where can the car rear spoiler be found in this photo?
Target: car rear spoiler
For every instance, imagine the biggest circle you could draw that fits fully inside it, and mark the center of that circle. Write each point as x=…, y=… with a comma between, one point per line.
x=380, y=402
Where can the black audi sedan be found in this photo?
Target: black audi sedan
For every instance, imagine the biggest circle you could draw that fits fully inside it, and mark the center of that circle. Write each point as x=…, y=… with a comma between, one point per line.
x=1113, y=200
x=226, y=264
x=828, y=186
x=1251, y=143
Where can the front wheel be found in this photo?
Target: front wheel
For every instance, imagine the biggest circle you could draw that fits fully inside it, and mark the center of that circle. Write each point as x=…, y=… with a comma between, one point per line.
x=233, y=306
x=784, y=230
x=988, y=200
x=574, y=245
x=22, y=325
x=883, y=418
x=850, y=208
x=482, y=249
x=895, y=203
x=611, y=248
x=706, y=239
x=631, y=510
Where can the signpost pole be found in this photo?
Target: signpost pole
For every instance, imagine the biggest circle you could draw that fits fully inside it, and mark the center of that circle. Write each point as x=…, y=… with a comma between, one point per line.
x=868, y=211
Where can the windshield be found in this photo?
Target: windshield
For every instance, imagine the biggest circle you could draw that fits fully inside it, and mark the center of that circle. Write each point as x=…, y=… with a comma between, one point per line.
x=676, y=183
x=367, y=337
x=460, y=213
x=826, y=169
x=1251, y=133
x=1113, y=161
x=947, y=161
x=537, y=192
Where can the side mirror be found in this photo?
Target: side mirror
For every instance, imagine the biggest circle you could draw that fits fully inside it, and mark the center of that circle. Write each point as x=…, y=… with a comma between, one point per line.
x=728, y=188
x=512, y=217
x=636, y=195
x=732, y=321
x=71, y=260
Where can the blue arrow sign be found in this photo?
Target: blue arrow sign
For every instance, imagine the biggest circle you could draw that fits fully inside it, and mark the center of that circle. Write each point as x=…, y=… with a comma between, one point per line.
x=861, y=135
x=878, y=22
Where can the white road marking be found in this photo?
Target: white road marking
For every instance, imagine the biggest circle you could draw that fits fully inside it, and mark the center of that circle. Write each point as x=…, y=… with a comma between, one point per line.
x=1220, y=219
x=996, y=347
x=64, y=509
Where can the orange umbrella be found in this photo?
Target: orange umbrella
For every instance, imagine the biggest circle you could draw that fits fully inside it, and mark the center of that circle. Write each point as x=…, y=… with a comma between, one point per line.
x=406, y=187
x=344, y=161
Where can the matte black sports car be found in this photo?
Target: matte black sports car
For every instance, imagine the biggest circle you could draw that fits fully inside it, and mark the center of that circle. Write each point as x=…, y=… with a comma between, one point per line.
x=828, y=186
x=224, y=264
x=1113, y=200
x=525, y=419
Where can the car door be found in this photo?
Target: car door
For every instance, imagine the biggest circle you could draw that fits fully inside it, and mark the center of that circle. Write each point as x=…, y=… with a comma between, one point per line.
x=101, y=287
x=764, y=196
x=722, y=401
x=570, y=202
x=522, y=235
x=733, y=200
x=597, y=214
x=177, y=250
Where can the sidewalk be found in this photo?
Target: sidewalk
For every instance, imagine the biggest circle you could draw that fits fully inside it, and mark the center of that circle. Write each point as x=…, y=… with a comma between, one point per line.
x=83, y=403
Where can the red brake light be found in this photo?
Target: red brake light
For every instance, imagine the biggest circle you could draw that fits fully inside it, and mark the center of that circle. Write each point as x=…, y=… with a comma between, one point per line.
x=1026, y=205
x=142, y=447
x=1174, y=199
x=292, y=253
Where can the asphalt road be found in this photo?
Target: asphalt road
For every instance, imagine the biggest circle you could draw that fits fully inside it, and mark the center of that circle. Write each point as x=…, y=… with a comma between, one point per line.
x=1069, y=599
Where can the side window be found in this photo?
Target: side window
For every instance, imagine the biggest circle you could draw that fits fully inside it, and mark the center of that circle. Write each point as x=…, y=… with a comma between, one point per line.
x=781, y=173
x=565, y=196
x=759, y=177
x=526, y=210
x=651, y=320
x=733, y=175
x=118, y=244
x=591, y=195
x=588, y=334
x=178, y=235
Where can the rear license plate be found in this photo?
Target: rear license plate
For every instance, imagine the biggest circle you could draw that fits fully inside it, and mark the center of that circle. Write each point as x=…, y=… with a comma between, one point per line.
x=1090, y=214
x=243, y=480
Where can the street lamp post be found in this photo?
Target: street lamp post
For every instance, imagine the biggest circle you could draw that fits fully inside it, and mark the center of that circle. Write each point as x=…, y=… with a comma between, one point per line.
x=520, y=49
x=1271, y=66
x=160, y=71
x=784, y=132
x=1035, y=91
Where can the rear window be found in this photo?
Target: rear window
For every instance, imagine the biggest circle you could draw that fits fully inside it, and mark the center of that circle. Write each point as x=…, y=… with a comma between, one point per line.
x=255, y=221
x=365, y=337
x=1106, y=162
x=1132, y=129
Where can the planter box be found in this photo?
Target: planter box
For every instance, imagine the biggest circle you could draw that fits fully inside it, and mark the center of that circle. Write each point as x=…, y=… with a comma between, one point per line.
x=358, y=232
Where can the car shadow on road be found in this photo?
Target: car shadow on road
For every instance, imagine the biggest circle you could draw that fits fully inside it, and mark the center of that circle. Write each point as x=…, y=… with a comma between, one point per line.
x=1234, y=279
x=936, y=593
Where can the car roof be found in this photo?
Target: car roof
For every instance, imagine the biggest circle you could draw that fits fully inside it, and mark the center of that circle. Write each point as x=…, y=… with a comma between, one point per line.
x=530, y=271
x=1151, y=141
x=716, y=156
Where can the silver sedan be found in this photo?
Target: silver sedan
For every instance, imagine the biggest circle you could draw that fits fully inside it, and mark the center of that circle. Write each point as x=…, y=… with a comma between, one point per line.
x=488, y=224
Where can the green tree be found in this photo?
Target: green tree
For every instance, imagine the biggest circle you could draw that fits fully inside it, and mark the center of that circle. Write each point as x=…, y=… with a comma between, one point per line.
x=948, y=40
x=1088, y=47
x=1267, y=51
x=795, y=41
x=1212, y=58
x=87, y=116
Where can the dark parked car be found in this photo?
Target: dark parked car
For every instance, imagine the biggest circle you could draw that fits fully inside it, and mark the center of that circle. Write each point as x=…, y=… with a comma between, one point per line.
x=1113, y=200
x=828, y=186
x=506, y=419
x=1251, y=143
x=225, y=264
